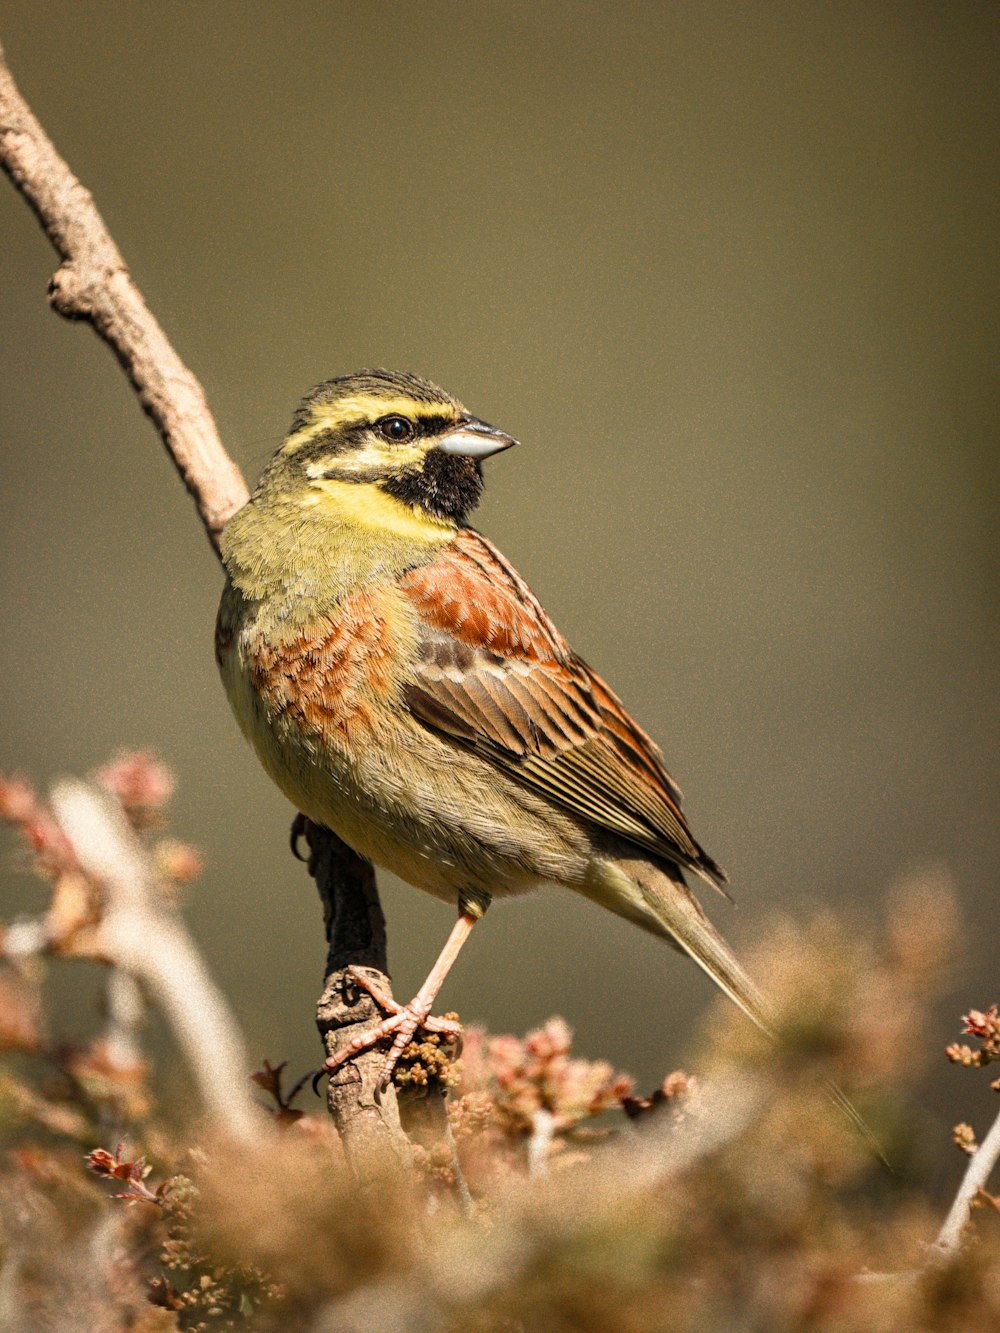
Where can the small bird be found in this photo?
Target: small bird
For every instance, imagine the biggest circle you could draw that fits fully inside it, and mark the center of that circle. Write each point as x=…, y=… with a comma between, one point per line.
x=403, y=687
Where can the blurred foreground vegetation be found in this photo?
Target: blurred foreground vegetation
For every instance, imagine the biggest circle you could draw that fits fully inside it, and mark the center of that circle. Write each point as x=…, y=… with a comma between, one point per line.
x=733, y=1197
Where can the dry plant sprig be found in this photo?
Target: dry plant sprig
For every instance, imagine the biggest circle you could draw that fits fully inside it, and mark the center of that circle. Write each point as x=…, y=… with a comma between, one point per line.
x=80, y=921
x=143, y=935
x=984, y=1025
x=133, y=1172
x=111, y=904
x=717, y=1209
x=270, y=1079
x=539, y=1075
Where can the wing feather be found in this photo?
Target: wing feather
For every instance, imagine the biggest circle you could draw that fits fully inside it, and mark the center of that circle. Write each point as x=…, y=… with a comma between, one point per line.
x=494, y=673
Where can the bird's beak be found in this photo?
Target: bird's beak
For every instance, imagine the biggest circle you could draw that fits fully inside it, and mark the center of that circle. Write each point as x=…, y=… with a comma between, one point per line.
x=472, y=438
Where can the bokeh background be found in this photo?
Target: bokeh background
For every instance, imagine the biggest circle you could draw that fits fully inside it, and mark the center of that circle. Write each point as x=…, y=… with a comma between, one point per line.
x=730, y=273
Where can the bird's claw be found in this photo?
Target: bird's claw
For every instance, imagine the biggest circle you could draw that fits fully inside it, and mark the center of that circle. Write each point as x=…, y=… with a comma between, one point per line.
x=402, y=1025
x=298, y=831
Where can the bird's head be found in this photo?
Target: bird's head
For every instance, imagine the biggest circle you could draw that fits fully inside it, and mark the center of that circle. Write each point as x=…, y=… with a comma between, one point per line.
x=394, y=432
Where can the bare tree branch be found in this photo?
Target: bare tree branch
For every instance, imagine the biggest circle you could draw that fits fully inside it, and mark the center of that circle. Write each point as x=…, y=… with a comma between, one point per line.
x=373, y=1126
x=126, y=1012
x=93, y=284
x=367, y=1121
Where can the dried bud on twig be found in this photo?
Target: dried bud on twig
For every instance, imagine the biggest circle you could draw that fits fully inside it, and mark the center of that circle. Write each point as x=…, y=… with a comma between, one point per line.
x=985, y=1026
x=133, y=1173
x=178, y=861
x=674, y=1095
x=269, y=1078
x=21, y=807
x=538, y=1074
x=965, y=1138
x=142, y=784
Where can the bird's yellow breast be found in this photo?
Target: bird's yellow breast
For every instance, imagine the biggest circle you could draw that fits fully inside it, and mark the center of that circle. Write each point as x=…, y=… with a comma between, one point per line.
x=366, y=506
x=296, y=554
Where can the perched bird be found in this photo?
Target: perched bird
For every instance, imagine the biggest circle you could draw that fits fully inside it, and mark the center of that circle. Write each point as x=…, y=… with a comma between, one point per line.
x=402, y=686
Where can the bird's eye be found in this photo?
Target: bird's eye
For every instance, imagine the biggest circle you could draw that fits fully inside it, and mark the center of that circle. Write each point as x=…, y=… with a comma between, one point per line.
x=396, y=429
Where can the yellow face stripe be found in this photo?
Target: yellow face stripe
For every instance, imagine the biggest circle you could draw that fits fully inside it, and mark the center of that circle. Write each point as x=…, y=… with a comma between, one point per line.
x=387, y=458
x=364, y=505
x=362, y=407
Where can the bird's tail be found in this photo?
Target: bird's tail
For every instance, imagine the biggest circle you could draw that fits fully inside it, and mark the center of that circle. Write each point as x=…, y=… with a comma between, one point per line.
x=641, y=892
x=666, y=907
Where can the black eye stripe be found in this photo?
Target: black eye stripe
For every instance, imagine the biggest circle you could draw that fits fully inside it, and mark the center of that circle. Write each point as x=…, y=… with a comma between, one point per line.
x=351, y=435
x=434, y=424
x=398, y=429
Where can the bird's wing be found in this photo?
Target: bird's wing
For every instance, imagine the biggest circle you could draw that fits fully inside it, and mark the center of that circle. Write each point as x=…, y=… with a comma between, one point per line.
x=495, y=674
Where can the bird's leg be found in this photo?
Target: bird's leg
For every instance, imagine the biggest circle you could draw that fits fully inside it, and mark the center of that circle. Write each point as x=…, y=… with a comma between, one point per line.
x=405, y=1019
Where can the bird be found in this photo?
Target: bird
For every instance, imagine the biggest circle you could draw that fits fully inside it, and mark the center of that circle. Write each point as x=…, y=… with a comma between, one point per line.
x=403, y=686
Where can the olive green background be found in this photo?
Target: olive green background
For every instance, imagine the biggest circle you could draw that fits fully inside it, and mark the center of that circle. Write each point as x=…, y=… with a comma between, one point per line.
x=727, y=270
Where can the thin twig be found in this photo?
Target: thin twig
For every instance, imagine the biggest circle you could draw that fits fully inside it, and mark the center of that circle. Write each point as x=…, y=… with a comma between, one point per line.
x=949, y=1238
x=93, y=284
x=146, y=937
x=543, y=1128
x=126, y=1011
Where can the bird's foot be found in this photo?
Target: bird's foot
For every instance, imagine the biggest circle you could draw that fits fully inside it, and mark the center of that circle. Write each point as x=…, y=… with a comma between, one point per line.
x=402, y=1024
